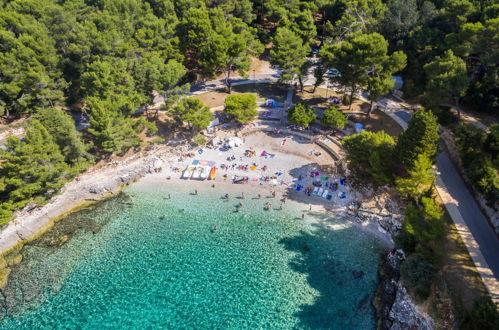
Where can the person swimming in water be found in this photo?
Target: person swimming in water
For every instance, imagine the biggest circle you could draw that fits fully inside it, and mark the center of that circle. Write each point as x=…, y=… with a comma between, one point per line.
x=227, y=196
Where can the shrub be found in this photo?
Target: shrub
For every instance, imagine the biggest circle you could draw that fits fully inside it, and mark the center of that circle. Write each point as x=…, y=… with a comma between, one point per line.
x=423, y=230
x=445, y=116
x=242, y=107
x=484, y=315
x=301, y=115
x=199, y=140
x=334, y=118
x=419, y=276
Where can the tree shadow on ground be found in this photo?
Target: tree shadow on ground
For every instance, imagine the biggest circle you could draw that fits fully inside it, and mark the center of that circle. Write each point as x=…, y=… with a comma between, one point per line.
x=345, y=295
x=293, y=137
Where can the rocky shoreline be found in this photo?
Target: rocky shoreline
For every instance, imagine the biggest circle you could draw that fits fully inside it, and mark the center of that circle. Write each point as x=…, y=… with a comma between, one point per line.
x=394, y=306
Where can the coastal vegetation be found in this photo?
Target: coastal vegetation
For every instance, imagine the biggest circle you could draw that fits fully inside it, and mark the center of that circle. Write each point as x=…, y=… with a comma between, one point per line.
x=242, y=107
x=302, y=115
x=108, y=62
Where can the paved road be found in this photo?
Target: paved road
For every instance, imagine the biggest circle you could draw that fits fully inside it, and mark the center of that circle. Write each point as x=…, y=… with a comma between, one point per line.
x=473, y=217
x=471, y=213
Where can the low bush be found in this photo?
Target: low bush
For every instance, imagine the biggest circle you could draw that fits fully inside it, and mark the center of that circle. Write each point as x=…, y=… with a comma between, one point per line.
x=418, y=275
x=483, y=316
x=479, y=154
x=444, y=115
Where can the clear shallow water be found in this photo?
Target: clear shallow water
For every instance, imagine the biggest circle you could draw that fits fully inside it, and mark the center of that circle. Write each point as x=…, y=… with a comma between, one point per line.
x=159, y=263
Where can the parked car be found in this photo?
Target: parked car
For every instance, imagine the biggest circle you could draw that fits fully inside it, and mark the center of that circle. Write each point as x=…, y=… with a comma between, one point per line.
x=333, y=73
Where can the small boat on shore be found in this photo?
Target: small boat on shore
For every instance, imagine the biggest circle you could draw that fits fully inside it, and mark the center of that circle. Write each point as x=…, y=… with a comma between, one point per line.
x=197, y=173
x=188, y=172
x=213, y=172
x=204, y=174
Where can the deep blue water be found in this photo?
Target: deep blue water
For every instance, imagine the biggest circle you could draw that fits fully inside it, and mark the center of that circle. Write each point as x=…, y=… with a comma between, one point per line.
x=158, y=263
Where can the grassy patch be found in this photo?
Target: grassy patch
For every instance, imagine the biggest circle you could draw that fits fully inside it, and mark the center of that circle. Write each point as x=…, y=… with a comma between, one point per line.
x=379, y=121
x=261, y=91
x=319, y=99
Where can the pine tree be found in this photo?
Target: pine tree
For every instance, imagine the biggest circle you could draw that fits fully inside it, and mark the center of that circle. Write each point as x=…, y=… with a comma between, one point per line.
x=419, y=179
x=421, y=137
x=34, y=169
x=112, y=131
x=62, y=128
x=372, y=153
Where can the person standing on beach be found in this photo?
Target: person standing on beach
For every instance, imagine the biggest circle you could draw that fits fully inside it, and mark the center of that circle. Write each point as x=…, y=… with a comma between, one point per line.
x=259, y=196
x=310, y=207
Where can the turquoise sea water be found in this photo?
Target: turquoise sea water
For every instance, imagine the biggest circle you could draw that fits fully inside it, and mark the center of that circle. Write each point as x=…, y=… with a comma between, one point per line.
x=158, y=263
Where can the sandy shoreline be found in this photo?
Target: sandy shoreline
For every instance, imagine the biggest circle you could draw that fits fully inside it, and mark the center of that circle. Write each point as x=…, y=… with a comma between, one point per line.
x=293, y=157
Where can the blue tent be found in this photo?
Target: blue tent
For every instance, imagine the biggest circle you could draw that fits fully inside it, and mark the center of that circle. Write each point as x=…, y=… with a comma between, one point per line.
x=399, y=82
x=358, y=127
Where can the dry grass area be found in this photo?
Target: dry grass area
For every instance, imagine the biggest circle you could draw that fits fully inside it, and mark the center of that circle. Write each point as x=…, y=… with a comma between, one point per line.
x=262, y=92
x=378, y=121
x=319, y=99
x=258, y=66
x=461, y=276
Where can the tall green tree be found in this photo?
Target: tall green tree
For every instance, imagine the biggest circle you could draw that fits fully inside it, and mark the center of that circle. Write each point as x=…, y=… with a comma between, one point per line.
x=113, y=132
x=106, y=79
x=30, y=77
x=360, y=16
x=447, y=78
x=421, y=137
x=301, y=115
x=334, y=118
x=363, y=61
x=372, y=153
x=230, y=48
x=242, y=107
x=290, y=54
x=420, y=177
x=62, y=129
x=193, y=112
x=379, y=77
x=33, y=168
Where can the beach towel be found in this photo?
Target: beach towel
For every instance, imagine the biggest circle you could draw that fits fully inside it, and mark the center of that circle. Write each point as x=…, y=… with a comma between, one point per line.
x=253, y=167
x=271, y=155
x=195, y=162
x=316, y=189
x=200, y=151
x=279, y=173
x=319, y=193
x=324, y=178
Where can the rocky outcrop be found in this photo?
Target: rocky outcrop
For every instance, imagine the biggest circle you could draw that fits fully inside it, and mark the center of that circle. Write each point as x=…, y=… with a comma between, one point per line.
x=395, y=308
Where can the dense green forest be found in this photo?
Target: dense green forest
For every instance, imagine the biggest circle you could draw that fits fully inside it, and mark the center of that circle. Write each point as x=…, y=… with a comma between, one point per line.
x=109, y=58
